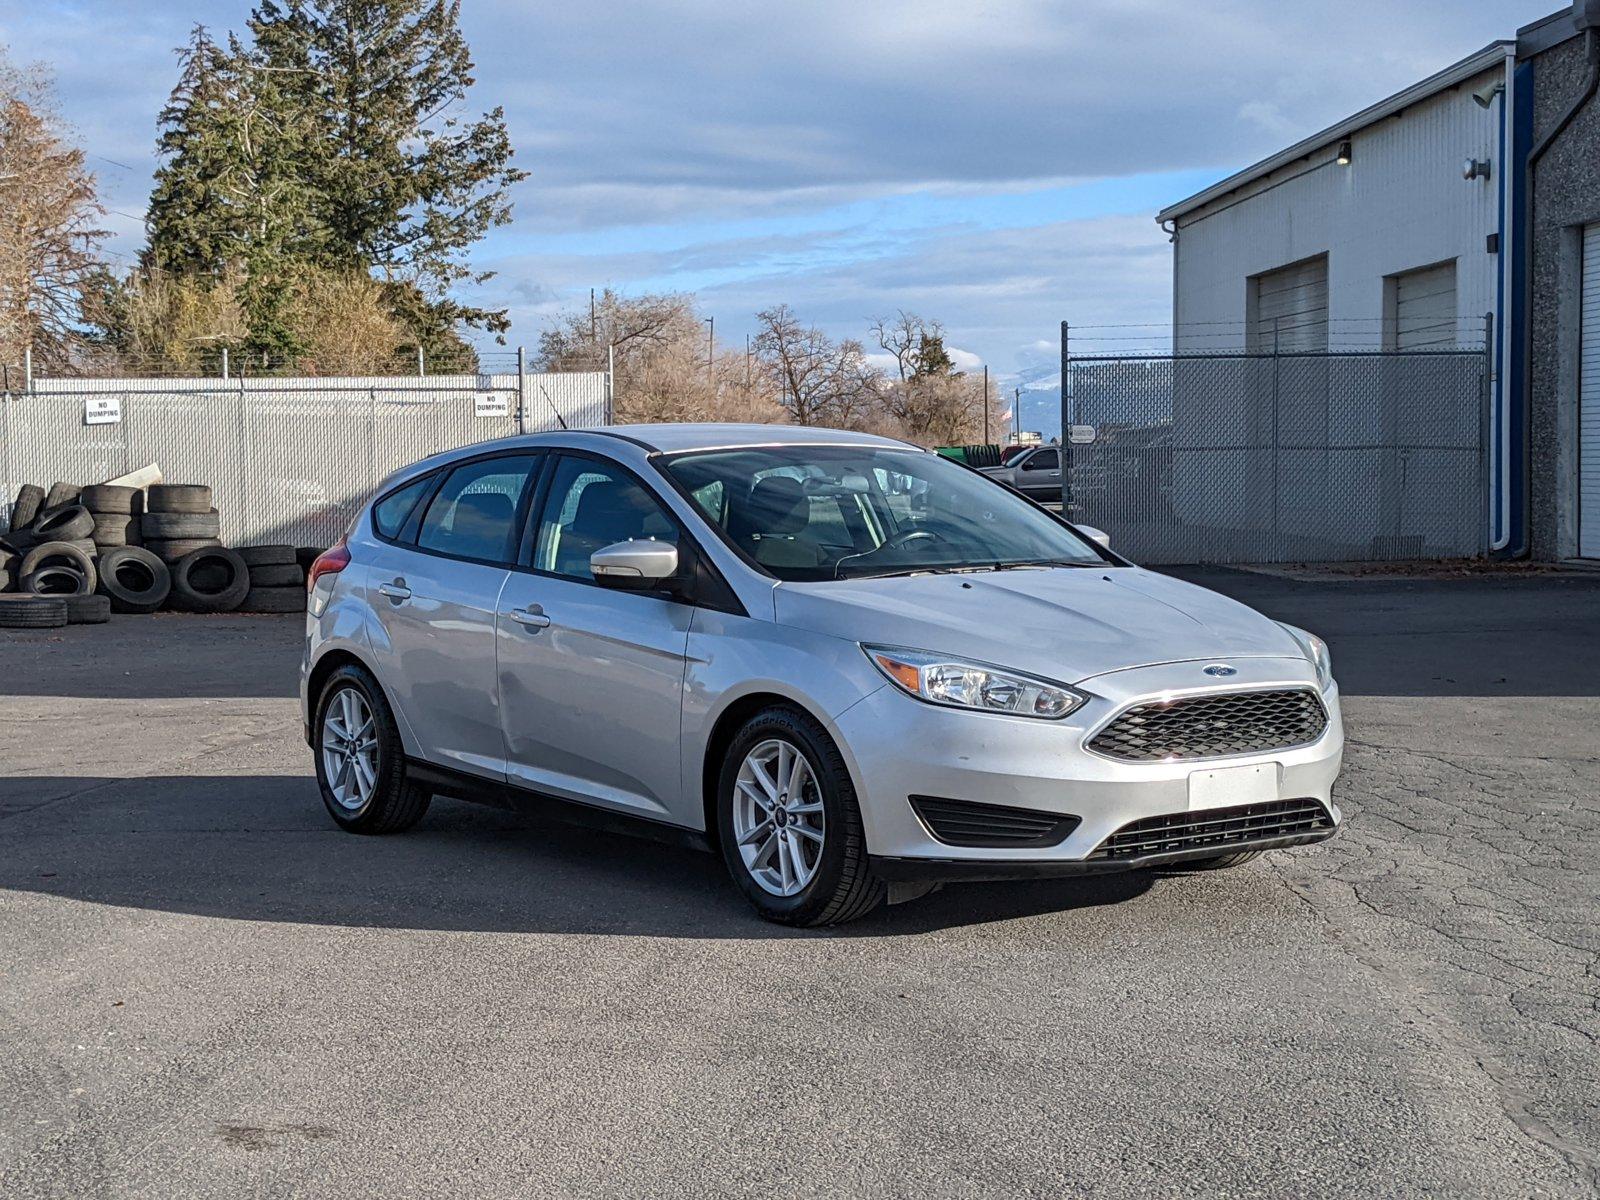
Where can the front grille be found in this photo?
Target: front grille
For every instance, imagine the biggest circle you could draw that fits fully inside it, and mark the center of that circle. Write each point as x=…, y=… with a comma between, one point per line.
x=962, y=823
x=1214, y=726
x=1216, y=827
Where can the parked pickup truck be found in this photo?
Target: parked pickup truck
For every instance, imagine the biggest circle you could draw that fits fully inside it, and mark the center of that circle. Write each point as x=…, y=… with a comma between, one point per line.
x=1035, y=471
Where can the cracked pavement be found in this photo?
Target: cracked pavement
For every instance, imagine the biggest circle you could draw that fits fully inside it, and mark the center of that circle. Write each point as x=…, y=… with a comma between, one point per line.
x=205, y=990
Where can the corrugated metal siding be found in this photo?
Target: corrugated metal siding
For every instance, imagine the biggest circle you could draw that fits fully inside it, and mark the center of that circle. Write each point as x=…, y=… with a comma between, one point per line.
x=1425, y=308
x=1399, y=205
x=1589, y=401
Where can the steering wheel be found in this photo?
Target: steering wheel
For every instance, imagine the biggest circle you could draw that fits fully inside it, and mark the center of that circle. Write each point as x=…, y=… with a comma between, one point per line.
x=901, y=540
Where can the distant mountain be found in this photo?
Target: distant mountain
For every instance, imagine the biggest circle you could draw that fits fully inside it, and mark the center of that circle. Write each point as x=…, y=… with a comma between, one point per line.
x=1040, y=399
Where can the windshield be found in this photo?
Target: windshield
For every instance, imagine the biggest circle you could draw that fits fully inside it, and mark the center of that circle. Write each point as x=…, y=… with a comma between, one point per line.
x=1016, y=456
x=833, y=512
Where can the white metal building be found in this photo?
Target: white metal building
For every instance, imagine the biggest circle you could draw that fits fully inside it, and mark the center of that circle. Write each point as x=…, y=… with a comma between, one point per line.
x=1366, y=235
x=1382, y=232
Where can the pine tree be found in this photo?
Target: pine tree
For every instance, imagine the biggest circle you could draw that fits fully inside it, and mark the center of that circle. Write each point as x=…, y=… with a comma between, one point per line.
x=402, y=185
x=228, y=195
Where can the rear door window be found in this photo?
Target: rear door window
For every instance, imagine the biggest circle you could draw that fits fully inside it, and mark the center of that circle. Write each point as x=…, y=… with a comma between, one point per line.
x=474, y=514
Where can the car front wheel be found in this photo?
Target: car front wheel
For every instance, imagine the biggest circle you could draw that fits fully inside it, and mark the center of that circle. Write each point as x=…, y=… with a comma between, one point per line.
x=789, y=825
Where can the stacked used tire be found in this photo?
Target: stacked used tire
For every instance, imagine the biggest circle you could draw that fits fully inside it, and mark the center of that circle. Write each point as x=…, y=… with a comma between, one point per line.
x=47, y=561
x=77, y=554
x=178, y=520
x=277, y=579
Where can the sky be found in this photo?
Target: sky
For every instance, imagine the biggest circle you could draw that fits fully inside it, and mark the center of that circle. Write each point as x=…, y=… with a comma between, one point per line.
x=993, y=164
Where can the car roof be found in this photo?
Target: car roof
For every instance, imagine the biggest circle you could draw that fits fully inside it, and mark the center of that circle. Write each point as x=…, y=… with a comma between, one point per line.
x=664, y=438
x=671, y=438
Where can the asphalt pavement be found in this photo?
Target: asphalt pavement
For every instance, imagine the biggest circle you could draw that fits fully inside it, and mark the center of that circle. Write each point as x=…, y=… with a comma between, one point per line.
x=207, y=990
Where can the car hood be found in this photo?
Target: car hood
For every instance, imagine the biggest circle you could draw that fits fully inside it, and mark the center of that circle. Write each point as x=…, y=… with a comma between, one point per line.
x=1064, y=623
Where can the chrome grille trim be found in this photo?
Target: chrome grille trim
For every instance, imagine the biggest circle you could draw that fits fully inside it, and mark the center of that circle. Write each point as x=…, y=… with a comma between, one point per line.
x=1212, y=725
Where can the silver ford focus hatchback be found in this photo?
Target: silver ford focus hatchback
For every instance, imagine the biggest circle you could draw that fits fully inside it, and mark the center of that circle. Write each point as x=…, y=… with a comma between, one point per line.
x=853, y=668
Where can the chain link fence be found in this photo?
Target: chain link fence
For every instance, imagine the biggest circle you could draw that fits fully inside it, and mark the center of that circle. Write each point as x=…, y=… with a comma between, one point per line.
x=288, y=459
x=1280, y=458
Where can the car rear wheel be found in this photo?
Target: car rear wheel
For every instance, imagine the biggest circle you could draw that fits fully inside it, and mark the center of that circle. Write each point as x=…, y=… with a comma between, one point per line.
x=789, y=824
x=359, y=760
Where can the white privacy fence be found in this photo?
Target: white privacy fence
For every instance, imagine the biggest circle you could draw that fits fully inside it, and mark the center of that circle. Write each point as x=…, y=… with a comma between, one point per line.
x=288, y=459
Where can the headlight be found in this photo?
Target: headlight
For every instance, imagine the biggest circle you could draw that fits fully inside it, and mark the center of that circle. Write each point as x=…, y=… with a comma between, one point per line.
x=1316, y=650
x=956, y=683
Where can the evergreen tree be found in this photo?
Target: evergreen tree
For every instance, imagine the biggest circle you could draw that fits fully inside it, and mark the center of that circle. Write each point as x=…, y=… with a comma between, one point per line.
x=402, y=184
x=228, y=195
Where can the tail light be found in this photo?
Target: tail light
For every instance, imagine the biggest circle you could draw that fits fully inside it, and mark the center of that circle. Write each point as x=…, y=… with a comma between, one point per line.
x=330, y=562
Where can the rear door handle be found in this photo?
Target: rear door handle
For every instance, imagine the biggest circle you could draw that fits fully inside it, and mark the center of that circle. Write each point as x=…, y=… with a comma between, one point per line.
x=531, y=618
x=395, y=591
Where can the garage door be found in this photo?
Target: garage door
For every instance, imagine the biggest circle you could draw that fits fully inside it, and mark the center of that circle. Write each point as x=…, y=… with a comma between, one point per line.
x=1589, y=401
x=1425, y=308
x=1291, y=309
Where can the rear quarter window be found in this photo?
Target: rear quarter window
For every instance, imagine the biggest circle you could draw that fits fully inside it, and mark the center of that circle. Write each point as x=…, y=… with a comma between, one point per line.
x=389, y=514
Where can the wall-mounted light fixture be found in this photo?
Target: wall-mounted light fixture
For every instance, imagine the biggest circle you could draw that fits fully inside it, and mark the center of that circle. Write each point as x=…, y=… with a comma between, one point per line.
x=1475, y=168
x=1485, y=95
x=1343, y=157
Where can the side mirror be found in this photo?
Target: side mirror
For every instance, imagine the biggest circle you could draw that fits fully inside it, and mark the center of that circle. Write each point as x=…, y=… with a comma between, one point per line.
x=636, y=565
x=1098, y=536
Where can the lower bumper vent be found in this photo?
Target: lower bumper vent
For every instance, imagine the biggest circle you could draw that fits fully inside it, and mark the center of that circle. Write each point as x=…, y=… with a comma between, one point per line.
x=962, y=823
x=1217, y=827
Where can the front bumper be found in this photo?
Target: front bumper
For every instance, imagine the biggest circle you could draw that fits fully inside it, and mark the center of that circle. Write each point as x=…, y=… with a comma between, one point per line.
x=899, y=747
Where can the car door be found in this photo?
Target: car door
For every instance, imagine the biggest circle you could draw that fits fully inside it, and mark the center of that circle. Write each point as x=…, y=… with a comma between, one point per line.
x=591, y=679
x=1039, y=475
x=435, y=591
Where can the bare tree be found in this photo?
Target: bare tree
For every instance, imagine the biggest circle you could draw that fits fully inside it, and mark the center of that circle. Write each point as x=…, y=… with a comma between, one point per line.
x=660, y=350
x=907, y=336
x=49, y=231
x=819, y=381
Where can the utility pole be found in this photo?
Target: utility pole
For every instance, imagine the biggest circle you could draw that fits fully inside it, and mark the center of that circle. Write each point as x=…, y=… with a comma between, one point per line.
x=985, y=404
x=1016, y=413
x=747, y=365
x=711, y=344
x=593, y=337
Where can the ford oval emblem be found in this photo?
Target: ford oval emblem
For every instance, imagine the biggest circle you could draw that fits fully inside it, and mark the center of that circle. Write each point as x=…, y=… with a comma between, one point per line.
x=1220, y=670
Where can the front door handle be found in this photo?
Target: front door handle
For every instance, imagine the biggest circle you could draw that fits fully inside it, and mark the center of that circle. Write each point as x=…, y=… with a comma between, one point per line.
x=531, y=617
x=395, y=591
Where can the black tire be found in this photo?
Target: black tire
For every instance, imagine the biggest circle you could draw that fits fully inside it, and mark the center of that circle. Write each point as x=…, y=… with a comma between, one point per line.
x=177, y=498
x=111, y=498
x=261, y=556
x=55, y=581
x=115, y=529
x=134, y=580
x=212, y=580
x=277, y=575
x=843, y=888
x=170, y=552
x=32, y=612
x=1220, y=862
x=62, y=493
x=62, y=523
x=396, y=803
x=88, y=545
x=9, y=561
x=57, y=554
x=275, y=600
x=306, y=555
x=88, y=610
x=30, y=499
x=177, y=526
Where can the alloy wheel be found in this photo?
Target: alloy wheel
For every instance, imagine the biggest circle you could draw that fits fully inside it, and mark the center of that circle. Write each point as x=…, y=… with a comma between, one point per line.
x=349, y=749
x=778, y=819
